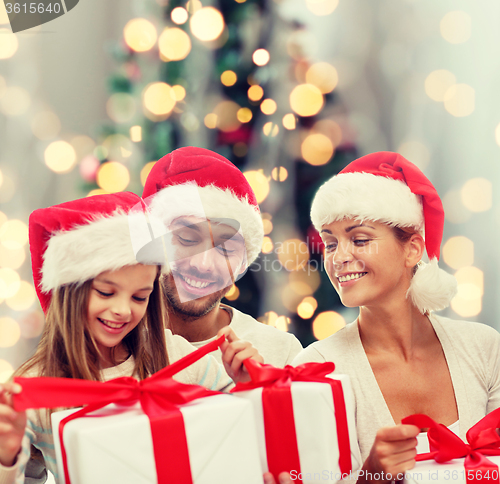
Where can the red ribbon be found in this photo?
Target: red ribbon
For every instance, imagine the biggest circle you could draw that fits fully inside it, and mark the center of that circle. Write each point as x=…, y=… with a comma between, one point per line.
x=159, y=396
x=281, y=437
x=482, y=440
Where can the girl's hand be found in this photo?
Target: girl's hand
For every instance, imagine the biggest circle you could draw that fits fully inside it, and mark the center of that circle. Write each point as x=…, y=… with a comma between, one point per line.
x=392, y=453
x=284, y=478
x=12, y=425
x=234, y=352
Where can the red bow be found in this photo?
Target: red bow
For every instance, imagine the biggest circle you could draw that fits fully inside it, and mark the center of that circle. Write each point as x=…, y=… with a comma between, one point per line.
x=281, y=438
x=159, y=396
x=482, y=440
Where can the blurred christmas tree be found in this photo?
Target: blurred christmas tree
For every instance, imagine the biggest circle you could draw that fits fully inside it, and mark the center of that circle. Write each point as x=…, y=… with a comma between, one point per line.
x=233, y=78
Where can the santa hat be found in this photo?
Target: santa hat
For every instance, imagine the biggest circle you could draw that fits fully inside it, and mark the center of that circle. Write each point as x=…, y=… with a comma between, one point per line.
x=76, y=241
x=385, y=187
x=195, y=181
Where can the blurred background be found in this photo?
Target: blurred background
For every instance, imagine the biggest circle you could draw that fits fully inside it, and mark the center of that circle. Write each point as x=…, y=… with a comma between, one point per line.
x=290, y=91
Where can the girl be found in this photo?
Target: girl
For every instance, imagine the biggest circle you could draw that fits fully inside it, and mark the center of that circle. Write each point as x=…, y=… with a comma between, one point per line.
x=376, y=218
x=104, y=316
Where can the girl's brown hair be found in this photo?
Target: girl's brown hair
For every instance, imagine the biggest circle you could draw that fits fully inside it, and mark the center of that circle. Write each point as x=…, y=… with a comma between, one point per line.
x=67, y=349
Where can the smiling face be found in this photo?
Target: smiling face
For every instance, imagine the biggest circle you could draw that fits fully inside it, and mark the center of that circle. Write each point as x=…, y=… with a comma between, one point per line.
x=117, y=302
x=206, y=257
x=365, y=262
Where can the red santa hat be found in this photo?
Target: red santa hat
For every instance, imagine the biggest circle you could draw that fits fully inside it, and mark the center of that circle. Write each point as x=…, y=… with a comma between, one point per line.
x=385, y=187
x=199, y=182
x=76, y=241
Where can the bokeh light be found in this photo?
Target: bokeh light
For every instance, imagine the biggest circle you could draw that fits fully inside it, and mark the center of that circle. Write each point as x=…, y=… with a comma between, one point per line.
x=23, y=299
x=96, y=191
x=118, y=146
x=468, y=301
x=416, y=152
x=306, y=100
x=330, y=129
x=459, y=100
x=9, y=332
x=458, y=252
x=471, y=275
x=322, y=7
x=88, y=168
x=9, y=44
x=279, y=173
x=244, y=115
x=233, y=293
x=145, y=171
x=12, y=258
x=179, y=15
x=307, y=307
x=268, y=226
x=261, y=57
x=289, y=121
x=60, y=156
x=268, y=106
x=83, y=145
x=45, y=125
x=437, y=83
x=455, y=27
x=13, y=234
x=293, y=254
x=15, y=101
x=324, y=76
x=327, y=323
x=140, y=34
x=255, y=93
x=113, y=177
x=304, y=281
x=259, y=184
x=282, y=323
x=317, y=149
x=10, y=282
x=4, y=18
x=179, y=92
x=227, y=116
x=6, y=369
x=174, y=44
x=136, y=133
x=121, y=107
x=210, y=120
x=267, y=245
x=158, y=99
x=477, y=194
x=32, y=324
x=270, y=129
x=228, y=78
x=207, y=24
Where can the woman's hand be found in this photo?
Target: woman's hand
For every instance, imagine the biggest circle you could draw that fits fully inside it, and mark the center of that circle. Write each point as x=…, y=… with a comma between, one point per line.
x=234, y=352
x=12, y=425
x=392, y=454
x=284, y=478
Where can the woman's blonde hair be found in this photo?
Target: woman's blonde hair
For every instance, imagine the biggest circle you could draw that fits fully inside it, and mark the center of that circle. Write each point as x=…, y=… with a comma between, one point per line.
x=68, y=350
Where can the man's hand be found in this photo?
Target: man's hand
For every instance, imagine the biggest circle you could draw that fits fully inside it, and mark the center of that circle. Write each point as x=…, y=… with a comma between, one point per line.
x=234, y=352
x=284, y=478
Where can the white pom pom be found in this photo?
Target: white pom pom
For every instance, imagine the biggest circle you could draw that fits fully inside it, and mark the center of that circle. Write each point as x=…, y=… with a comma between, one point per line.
x=431, y=288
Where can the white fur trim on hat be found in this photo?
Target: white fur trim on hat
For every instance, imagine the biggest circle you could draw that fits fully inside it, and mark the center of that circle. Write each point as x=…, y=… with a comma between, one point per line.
x=431, y=288
x=80, y=254
x=210, y=202
x=368, y=197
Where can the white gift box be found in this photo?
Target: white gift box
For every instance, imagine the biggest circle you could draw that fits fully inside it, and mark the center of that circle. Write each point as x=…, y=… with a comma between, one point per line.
x=117, y=447
x=452, y=472
x=316, y=429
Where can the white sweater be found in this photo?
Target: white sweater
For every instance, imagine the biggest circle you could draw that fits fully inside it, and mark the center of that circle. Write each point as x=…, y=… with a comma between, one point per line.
x=206, y=372
x=472, y=351
x=278, y=348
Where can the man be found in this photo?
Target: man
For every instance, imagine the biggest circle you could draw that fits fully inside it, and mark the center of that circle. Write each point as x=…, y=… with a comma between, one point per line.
x=215, y=232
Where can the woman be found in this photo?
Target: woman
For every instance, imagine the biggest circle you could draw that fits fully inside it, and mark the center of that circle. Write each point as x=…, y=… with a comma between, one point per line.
x=377, y=218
